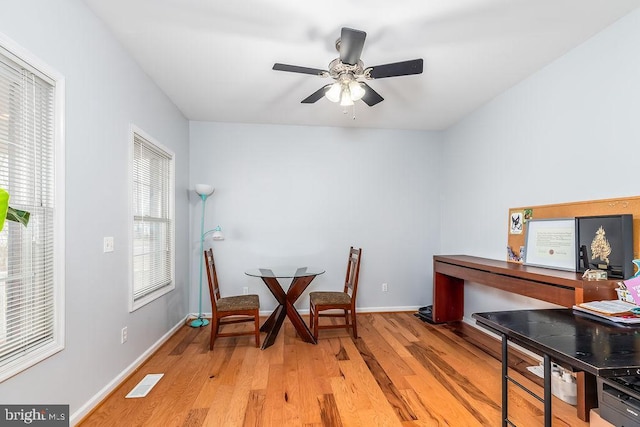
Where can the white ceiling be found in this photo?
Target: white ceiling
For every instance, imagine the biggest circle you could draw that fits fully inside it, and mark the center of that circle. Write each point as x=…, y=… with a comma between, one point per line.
x=213, y=58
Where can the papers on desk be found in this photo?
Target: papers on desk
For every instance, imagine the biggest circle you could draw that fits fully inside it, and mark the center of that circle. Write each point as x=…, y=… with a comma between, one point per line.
x=609, y=307
x=611, y=310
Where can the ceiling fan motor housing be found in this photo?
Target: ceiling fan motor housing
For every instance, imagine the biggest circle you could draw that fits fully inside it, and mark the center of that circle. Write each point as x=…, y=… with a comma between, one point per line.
x=337, y=68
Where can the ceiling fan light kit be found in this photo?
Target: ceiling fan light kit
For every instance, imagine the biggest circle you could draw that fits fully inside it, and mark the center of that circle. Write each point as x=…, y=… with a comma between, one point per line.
x=349, y=73
x=345, y=91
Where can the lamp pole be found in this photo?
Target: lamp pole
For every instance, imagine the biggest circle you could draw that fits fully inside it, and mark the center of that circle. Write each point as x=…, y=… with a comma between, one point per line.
x=203, y=191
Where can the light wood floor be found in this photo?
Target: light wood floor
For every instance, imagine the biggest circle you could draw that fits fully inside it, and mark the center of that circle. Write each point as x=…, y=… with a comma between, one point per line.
x=399, y=372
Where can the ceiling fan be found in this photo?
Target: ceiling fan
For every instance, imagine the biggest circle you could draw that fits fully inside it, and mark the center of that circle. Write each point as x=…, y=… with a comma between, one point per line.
x=348, y=71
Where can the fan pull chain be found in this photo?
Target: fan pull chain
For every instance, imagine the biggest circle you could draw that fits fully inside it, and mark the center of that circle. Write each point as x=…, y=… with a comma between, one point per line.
x=345, y=110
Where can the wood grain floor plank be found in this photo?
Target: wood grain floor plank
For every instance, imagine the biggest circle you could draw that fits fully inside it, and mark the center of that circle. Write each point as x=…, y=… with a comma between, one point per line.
x=178, y=391
x=379, y=326
x=370, y=400
x=344, y=399
x=313, y=383
x=196, y=417
x=317, y=372
x=389, y=389
x=388, y=356
x=255, y=408
x=372, y=417
x=329, y=414
x=447, y=374
x=218, y=405
x=293, y=406
x=333, y=352
x=219, y=361
x=274, y=398
x=425, y=416
x=399, y=327
x=399, y=372
x=441, y=402
x=235, y=411
x=260, y=371
x=184, y=343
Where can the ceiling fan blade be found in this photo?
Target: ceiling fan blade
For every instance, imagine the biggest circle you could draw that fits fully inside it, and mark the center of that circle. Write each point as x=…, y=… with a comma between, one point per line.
x=404, y=68
x=371, y=97
x=316, y=95
x=297, y=69
x=351, y=44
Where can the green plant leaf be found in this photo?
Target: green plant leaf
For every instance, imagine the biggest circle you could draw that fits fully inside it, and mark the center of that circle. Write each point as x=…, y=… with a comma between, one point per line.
x=4, y=206
x=18, y=216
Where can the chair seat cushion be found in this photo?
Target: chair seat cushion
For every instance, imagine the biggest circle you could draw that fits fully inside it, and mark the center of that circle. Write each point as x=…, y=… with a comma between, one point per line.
x=240, y=302
x=330, y=298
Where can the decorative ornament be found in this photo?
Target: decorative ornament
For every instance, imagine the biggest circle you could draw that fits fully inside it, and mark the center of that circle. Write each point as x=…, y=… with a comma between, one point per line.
x=600, y=247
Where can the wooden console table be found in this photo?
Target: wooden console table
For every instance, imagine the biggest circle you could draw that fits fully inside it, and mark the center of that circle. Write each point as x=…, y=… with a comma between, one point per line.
x=564, y=288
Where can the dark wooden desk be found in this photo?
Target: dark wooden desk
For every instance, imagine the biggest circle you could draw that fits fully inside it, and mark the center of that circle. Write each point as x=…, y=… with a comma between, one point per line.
x=301, y=276
x=564, y=288
x=571, y=339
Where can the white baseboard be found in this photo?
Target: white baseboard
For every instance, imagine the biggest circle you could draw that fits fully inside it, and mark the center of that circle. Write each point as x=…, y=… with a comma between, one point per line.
x=114, y=383
x=385, y=309
x=305, y=311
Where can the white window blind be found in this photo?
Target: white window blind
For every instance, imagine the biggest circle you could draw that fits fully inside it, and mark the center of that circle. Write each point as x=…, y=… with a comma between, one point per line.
x=153, y=225
x=29, y=303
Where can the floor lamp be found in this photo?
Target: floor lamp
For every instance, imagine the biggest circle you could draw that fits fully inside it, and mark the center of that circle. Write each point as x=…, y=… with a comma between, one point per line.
x=204, y=191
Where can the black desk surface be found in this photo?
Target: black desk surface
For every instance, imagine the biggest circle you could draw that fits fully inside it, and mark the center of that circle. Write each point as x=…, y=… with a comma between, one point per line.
x=596, y=347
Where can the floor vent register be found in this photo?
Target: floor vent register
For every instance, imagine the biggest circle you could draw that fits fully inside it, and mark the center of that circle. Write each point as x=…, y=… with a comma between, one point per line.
x=144, y=386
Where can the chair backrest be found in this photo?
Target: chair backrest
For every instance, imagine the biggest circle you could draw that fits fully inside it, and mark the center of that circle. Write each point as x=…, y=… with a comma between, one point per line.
x=353, y=271
x=212, y=276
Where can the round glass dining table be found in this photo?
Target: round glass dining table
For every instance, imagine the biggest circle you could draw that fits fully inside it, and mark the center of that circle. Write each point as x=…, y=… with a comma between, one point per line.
x=302, y=277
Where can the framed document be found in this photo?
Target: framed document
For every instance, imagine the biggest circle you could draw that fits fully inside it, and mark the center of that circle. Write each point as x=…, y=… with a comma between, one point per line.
x=551, y=243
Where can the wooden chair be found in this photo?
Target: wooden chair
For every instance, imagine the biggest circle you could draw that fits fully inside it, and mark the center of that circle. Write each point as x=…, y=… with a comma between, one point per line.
x=345, y=300
x=242, y=308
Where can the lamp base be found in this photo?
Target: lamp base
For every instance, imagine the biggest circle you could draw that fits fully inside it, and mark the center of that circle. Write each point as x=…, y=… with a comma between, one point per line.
x=199, y=322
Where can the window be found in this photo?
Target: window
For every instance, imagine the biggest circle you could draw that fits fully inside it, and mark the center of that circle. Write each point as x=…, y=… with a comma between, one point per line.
x=153, y=223
x=31, y=258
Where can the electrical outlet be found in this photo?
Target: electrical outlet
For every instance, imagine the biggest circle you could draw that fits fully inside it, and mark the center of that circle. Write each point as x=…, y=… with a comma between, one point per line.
x=123, y=335
x=385, y=287
x=108, y=244
x=245, y=290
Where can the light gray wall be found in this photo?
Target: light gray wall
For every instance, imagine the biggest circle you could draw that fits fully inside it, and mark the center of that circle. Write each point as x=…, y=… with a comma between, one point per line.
x=105, y=92
x=568, y=133
x=302, y=195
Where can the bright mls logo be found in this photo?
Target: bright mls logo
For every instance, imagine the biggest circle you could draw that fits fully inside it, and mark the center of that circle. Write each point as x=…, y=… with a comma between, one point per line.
x=36, y=415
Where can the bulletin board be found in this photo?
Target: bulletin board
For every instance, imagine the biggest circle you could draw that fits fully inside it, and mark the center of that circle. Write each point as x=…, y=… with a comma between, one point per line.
x=518, y=217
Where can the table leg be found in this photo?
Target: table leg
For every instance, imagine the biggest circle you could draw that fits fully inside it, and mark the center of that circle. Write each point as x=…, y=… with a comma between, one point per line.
x=270, y=322
x=505, y=381
x=587, y=394
x=298, y=285
x=547, y=390
x=278, y=316
x=274, y=322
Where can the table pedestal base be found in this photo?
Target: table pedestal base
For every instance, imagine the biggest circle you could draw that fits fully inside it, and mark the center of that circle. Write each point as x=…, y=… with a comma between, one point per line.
x=286, y=308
